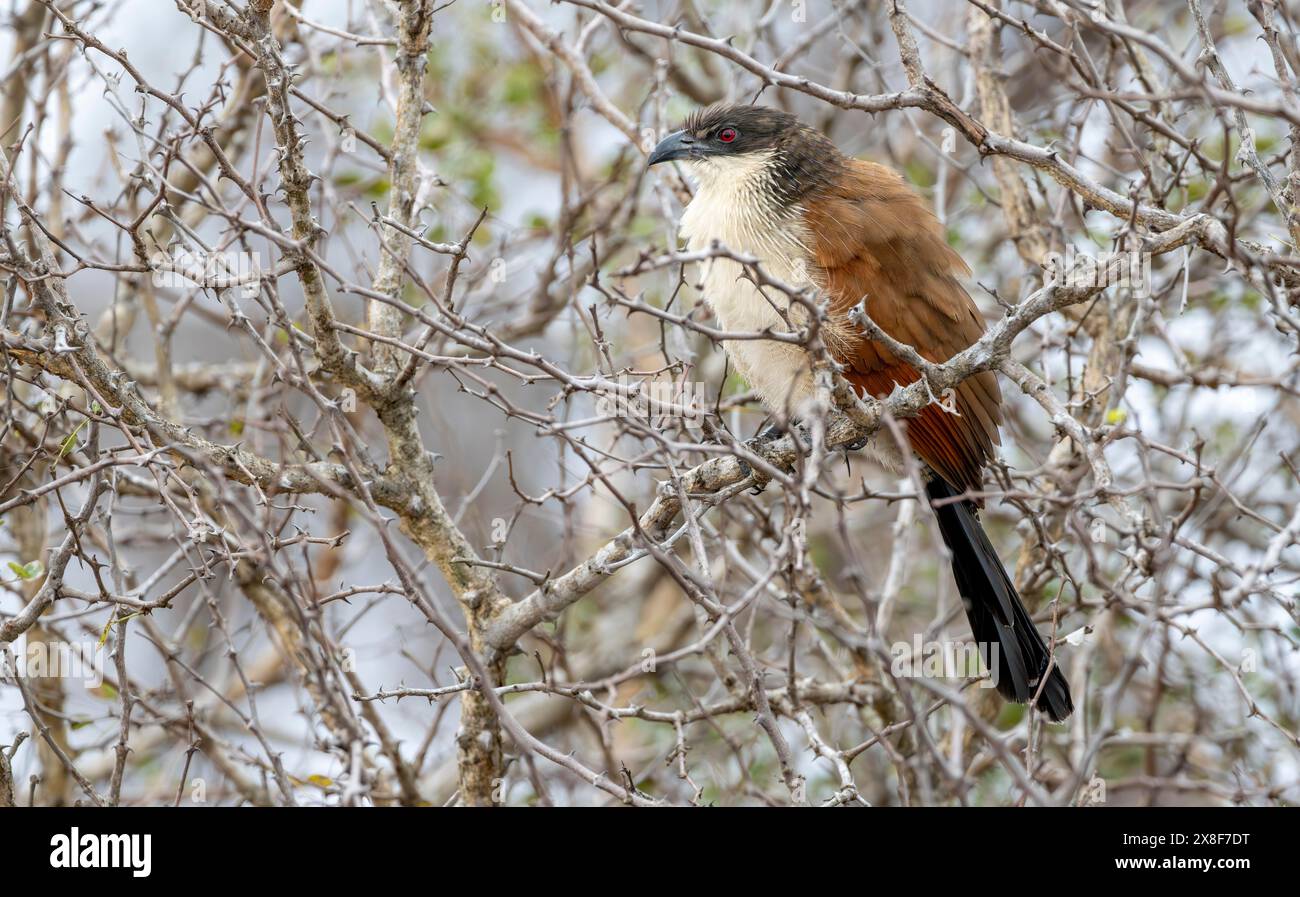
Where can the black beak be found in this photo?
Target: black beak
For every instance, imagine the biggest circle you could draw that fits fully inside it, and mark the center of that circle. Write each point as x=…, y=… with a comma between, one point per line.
x=677, y=145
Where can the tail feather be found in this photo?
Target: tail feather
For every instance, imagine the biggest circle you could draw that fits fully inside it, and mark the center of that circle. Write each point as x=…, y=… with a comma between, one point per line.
x=997, y=616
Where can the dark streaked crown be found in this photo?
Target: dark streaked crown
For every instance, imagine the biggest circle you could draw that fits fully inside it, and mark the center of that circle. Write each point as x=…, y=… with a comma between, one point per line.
x=803, y=160
x=759, y=127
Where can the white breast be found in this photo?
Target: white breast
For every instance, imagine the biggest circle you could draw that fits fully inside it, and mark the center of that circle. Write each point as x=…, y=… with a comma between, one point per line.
x=730, y=207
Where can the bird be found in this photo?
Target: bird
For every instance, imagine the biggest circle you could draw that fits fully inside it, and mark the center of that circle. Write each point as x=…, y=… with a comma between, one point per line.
x=771, y=188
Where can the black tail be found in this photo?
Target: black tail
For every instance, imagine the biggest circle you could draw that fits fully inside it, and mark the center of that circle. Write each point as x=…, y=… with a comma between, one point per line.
x=995, y=612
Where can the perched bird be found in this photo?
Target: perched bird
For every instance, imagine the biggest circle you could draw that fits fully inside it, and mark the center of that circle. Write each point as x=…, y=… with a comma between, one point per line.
x=770, y=187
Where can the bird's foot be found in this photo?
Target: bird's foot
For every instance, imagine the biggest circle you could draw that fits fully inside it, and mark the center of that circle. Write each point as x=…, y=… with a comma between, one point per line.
x=770, y=433
x=760, y=481
x=773, y=432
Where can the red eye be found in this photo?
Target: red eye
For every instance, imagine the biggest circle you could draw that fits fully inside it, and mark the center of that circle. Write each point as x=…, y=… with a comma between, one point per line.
x=726, y=135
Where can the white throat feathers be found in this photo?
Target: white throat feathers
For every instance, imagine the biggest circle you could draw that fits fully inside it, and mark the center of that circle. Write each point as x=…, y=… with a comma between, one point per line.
x=735, y=204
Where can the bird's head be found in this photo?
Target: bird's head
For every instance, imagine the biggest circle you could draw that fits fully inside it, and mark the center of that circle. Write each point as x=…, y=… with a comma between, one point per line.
x=725, y=141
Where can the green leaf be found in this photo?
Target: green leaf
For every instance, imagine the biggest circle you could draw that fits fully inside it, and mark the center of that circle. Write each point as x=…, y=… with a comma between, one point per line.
x=28, y=571
x=103, y=635
x=67, y=444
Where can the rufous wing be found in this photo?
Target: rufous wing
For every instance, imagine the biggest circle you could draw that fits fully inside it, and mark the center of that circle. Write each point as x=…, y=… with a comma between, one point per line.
x=873, y=238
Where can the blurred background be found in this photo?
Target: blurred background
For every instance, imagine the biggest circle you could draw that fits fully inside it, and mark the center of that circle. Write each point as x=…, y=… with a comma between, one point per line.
x=1181, y=650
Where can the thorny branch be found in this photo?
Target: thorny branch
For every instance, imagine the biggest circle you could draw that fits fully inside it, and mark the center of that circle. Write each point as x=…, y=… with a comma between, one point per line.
x=364, y=428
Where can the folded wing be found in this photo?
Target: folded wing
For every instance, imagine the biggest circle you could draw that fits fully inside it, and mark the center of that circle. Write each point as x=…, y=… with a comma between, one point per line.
x=873, y=238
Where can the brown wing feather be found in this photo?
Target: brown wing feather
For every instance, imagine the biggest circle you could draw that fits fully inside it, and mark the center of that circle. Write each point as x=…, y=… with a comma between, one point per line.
x=872, y=236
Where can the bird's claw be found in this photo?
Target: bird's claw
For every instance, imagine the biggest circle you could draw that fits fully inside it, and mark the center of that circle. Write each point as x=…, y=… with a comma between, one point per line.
x=760, y=483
